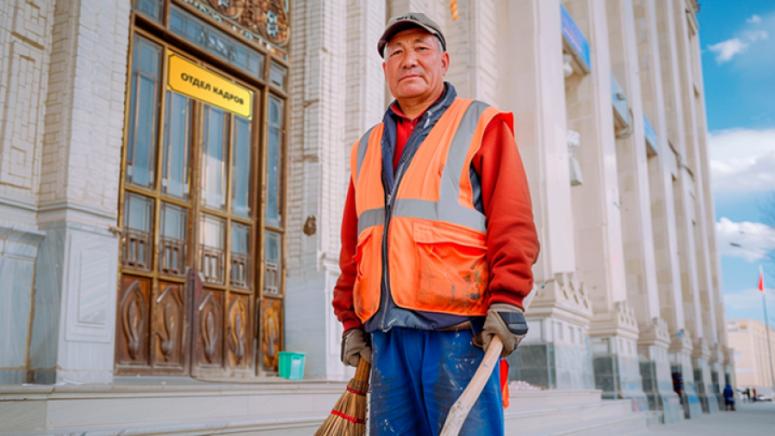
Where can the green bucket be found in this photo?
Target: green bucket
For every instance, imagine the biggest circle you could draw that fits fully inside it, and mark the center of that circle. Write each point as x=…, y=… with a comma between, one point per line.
x=291, y=365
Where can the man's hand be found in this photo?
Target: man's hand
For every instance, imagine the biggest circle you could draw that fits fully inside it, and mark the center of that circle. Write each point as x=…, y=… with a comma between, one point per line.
x=508, y=323
x=355, y=344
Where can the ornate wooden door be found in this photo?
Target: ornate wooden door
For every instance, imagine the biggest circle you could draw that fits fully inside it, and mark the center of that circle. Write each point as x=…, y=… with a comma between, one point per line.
x=200, y=219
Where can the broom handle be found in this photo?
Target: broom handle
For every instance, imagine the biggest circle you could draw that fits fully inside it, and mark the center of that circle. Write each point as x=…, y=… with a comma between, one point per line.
x=459, y=411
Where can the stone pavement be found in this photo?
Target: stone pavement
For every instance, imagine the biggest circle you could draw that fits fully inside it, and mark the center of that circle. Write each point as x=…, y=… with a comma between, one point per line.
x=749, y=419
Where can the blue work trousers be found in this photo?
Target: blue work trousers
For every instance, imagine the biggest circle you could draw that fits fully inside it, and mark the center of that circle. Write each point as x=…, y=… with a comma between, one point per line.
x=417, y=375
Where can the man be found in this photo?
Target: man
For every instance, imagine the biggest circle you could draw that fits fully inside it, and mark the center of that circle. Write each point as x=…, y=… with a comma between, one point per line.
x=438, y=241
x=729, y=397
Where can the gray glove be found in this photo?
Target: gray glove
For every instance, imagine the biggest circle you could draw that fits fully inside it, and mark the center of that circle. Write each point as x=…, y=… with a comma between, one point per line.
x=508, y=323
x=355, y=344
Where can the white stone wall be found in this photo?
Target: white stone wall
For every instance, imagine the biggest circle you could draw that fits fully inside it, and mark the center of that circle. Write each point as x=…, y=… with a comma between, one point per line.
x=25, y=34
x=754, y=366
x=25, y=46
x=85, y=107
x=61, y=110
x=337, y=93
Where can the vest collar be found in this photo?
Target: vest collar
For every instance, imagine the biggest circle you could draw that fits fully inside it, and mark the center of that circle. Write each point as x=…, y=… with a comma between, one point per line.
x=446, y=99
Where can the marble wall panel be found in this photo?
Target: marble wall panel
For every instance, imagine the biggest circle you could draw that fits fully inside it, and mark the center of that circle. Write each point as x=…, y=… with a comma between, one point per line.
x=45, y=324
x=15, y=304
x=90, y=281
x=17, y=270
x=553, y=366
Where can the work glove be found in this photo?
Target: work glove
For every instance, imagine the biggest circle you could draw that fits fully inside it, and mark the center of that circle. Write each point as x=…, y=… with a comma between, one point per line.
x=355, y=345
x=506, y=322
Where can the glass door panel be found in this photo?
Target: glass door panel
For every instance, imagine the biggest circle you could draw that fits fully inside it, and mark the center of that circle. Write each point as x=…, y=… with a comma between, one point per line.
x=143, y=109
x=177, y=139
x=212, y=249
x=138, y=216
x=241, y=163
x=240, y=256
x=172, y=250
x=272, y=256
x=274, y=162
x=214, y=148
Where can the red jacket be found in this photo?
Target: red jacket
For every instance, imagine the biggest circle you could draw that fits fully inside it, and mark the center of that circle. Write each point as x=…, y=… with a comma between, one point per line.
x=511, y=236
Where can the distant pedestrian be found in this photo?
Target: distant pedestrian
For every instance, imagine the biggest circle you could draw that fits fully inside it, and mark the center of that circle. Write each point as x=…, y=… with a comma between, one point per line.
x=729, y=398
x=747, y=394
x=678, y=386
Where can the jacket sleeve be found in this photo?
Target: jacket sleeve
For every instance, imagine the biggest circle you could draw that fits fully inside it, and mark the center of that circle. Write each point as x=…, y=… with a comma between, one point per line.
x=344, y=308
x=512, y=243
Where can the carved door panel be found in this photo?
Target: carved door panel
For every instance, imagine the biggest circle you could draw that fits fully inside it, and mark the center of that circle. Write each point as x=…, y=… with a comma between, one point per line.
x=238, y=332
x=132, y=344
x=271, y=333
x=169, y=327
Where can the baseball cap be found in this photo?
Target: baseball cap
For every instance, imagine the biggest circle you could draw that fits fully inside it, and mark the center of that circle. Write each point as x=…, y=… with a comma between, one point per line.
x=407, y=21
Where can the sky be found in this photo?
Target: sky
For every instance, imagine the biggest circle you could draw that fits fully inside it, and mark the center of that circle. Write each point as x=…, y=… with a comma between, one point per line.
x=737, y=40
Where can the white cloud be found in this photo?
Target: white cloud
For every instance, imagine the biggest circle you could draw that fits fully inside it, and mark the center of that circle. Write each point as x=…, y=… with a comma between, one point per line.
x=754, y=32
x=755, y=19
x=756, y=35
x=726, y=50
x=742, y=160
x=749, y=240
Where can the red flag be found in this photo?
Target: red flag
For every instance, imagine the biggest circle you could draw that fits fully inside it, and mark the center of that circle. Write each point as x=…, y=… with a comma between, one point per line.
x=761, y=281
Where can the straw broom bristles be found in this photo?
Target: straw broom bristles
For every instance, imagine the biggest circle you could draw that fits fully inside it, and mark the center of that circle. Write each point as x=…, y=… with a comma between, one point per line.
x=348, y=417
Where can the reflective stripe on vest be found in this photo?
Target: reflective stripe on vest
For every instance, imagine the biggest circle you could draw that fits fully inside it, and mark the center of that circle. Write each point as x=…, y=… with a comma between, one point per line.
x=436, y=246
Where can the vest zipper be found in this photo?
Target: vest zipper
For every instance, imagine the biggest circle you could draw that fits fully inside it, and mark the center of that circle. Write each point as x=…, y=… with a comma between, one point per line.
x=388, y=214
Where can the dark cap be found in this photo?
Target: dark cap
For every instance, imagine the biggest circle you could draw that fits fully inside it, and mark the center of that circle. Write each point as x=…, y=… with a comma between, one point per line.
x=408, y=21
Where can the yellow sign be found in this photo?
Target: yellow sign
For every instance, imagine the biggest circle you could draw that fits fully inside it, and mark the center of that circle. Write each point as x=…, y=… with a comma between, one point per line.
x=194, y=81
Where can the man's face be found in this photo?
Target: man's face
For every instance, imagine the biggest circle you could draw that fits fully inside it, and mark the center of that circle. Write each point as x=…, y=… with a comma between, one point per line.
x=414, y=64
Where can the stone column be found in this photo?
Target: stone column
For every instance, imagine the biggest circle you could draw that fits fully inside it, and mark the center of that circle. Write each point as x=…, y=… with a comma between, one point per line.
x=597, y=212
x=73, y=329
x=690, y=84
x=681, y=347
x=337, y=91
x=662, y=169
x=556, y=352
x=641, y=271
x=697, y=127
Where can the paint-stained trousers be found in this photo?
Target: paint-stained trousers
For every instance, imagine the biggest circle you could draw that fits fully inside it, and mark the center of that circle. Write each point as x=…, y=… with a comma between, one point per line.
x=416, y=377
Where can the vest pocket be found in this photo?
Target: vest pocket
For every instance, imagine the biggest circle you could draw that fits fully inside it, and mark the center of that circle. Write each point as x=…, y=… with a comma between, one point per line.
x=368, y=261
x=452, y=273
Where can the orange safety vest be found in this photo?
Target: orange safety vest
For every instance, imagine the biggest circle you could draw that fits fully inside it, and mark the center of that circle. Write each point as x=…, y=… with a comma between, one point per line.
x=436, y=247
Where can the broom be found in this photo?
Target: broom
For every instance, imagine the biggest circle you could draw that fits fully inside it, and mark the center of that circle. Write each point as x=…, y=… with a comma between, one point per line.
x=348, y=417
x=459, y=411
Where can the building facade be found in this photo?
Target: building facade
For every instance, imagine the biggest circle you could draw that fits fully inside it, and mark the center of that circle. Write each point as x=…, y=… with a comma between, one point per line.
x=172, y=176
x=753, y=362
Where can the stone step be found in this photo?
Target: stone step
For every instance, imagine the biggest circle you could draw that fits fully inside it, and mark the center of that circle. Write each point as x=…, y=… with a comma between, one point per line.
x=629, y=424
x=565, y=419
x=524, y=399
x=274, y=407
x=140, y=408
